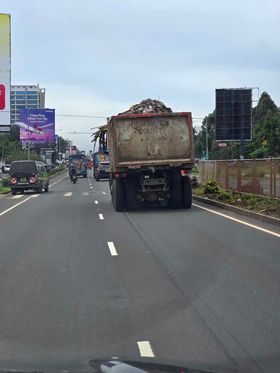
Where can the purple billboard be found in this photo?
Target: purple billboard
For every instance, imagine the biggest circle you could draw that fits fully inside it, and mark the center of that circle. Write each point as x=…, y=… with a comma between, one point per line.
x=37, y=126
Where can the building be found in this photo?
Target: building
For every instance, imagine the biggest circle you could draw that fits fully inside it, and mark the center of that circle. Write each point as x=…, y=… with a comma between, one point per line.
x=26, y=97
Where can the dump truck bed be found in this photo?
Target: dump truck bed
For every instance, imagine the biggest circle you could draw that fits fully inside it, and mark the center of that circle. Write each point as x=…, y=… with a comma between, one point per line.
x=139, y=140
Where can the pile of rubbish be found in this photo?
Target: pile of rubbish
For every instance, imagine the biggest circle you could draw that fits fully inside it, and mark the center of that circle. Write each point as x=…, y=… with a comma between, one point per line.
x=148, y=106
x=145, y=106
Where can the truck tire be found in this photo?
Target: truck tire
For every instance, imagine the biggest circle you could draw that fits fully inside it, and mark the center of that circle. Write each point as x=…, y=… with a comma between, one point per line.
x=118, y=195
x=14, y=191
x=47, y=188
x=130, y=194
x=186, y=193
x=175, y=200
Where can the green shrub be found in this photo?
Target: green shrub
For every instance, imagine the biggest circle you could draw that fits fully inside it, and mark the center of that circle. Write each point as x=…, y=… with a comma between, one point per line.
x=211, y=187
x=225, y=196
x=5, y=182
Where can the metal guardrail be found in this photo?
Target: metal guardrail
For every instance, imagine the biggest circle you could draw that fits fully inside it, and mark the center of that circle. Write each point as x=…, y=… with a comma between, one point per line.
x=256, y=176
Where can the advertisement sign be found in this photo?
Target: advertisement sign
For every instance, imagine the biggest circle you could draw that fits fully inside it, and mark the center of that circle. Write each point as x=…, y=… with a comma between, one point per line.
x=5, y=71
x=37, y=126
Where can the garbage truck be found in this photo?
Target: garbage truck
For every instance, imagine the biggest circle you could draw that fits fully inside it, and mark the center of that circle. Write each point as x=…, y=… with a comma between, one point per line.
x=151, y=156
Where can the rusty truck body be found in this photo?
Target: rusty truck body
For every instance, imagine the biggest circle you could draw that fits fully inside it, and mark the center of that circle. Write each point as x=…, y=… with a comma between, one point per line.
x=150, y=158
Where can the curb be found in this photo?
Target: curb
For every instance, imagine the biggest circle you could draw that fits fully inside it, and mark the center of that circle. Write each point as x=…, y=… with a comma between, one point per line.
x=238, y=210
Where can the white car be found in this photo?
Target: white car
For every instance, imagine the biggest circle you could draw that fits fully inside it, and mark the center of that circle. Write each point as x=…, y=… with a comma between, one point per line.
x=7, y=168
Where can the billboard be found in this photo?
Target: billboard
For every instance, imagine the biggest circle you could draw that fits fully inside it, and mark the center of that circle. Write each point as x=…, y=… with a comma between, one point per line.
x=5, y=72
x=37, y=127
x=233, y=114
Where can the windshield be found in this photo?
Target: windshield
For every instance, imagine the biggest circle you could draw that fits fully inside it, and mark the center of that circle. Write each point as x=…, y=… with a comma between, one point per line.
x=140, y=217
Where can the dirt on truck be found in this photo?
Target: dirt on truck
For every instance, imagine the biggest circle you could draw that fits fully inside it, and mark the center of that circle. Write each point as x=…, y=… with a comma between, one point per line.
x=151, y=154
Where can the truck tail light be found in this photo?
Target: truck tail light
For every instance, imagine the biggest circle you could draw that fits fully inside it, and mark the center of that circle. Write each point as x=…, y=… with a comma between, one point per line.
x=13, y=180
x=119, y=175
x=33, y=180
x=184, y=172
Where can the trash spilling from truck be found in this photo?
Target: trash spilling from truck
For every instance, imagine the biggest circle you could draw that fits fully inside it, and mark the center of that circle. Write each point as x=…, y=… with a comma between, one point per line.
x=148, y=106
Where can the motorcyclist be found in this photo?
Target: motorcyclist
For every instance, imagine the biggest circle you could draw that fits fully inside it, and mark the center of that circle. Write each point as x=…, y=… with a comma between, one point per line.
x=72, y=172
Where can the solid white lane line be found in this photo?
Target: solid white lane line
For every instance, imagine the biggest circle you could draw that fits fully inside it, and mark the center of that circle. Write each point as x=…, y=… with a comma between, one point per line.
x=13, y=207
x=68, y=194
x=17, y=197
x=34, y=196
x=104, y=193
x=96, y=202
x=112, y=248
x=57, y=181
x=101, y=217
x=239, y=221
x=145, y=349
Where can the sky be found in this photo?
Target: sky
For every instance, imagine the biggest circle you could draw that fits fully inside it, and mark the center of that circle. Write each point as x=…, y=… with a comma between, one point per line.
x=98, y=57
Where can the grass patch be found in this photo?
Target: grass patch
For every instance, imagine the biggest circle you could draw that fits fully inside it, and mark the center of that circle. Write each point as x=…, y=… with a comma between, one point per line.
x=56, y=170
x=4, y=188
x=263, y=205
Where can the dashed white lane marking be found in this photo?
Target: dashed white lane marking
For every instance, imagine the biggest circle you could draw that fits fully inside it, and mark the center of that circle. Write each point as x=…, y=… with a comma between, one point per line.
x=101, y=217
x=96, y=202
x=91, y=187
x=16, y=205
x=239, y=221
x=104, y=193
x=85, y=194
x=17, y=197
x=145, y=349
x=58, y=181
x=68, y=194
x=112, y=248
x=34, y=196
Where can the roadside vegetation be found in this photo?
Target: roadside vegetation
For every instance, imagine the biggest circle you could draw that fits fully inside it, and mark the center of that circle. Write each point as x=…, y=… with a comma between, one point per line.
x=4, y=187
x=263, y=205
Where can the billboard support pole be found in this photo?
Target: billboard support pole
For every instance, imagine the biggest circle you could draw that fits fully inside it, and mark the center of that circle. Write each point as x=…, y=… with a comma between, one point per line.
x=28, y=149
x=242, y=132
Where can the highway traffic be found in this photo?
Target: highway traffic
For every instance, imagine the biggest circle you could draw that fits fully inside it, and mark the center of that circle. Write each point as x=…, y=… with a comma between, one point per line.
x=79, y=280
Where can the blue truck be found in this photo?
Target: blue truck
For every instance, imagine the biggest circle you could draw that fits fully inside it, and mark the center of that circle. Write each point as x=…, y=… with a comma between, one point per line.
x=101, y=165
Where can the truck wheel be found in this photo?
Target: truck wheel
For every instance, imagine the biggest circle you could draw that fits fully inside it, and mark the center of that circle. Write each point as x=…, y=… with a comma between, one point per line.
x=14, y=191
x=118, y=195
x=46, y=188
x=130, y=195
x=186, y=193
x=175, y=199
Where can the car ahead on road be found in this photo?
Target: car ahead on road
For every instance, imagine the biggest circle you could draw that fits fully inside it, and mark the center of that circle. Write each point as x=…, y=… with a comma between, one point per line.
x=28, y=175
x=102, y=170
x=5, y=168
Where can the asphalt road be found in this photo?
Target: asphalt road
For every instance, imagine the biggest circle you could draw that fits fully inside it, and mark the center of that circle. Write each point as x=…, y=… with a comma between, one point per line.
x=78, y=280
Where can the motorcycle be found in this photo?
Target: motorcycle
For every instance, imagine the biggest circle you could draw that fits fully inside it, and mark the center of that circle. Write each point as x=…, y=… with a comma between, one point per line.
x=74, y=178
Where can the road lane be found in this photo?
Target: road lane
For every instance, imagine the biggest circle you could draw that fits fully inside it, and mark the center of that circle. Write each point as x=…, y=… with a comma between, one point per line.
x=196, y=287
x=227, y=272
x=59, y=295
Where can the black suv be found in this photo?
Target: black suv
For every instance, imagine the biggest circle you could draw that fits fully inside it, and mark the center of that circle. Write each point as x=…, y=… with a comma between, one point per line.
x=26, y=175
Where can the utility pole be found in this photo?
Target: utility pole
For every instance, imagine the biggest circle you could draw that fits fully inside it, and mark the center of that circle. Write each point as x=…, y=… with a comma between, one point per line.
x=207, y=151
